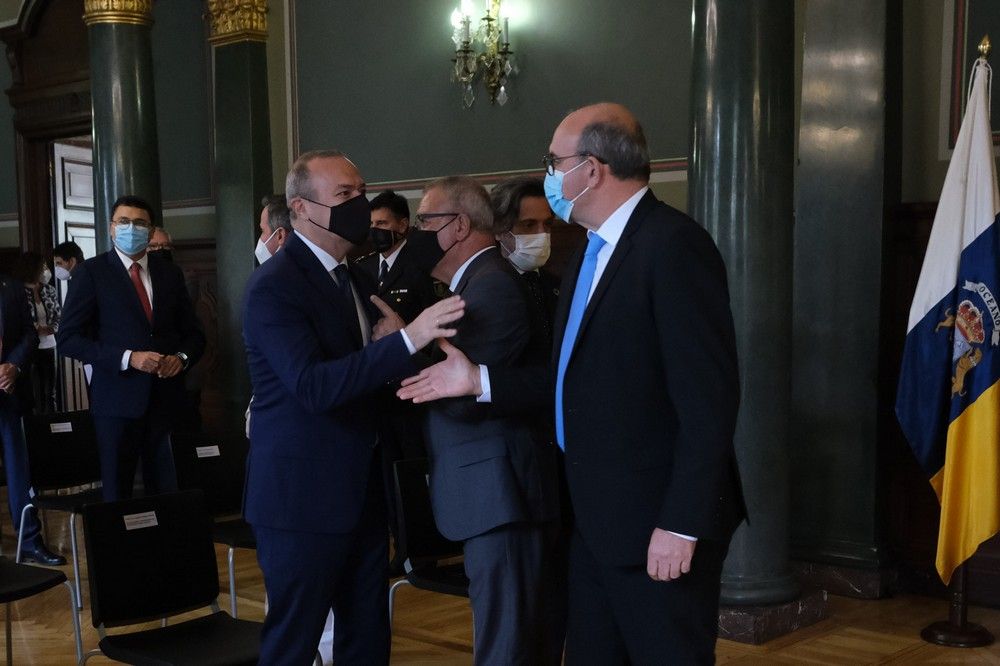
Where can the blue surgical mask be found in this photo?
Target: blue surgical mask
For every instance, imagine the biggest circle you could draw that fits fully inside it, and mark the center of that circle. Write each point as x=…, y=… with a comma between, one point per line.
x=560, y=205
x=131, y=239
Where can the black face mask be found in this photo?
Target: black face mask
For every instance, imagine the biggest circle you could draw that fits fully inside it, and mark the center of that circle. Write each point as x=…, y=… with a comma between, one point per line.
x=349, y=220
x=167, y=255
x=384, y=239
x=424, y=250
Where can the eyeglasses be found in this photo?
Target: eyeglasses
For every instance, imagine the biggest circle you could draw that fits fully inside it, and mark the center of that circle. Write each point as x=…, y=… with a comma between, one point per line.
x=153, y=247
x=139, y=222
x=550, y=161
x=424, y=218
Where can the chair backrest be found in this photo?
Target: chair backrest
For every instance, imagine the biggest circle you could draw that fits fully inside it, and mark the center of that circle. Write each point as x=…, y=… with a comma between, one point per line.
x=214, y=464
x=418, y=538
x=62, y=449
x=149, y=557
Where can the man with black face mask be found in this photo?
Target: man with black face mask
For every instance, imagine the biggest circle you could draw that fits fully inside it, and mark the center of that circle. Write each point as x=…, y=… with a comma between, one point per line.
x=314, y=492
x=398, y=281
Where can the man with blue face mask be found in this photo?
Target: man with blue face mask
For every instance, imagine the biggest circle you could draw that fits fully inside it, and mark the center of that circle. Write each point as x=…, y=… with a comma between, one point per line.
x=128, y=314
x=643, y=385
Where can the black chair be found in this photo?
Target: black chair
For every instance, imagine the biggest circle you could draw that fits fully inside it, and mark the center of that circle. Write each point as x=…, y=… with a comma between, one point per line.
x=422, y=545
x=62, y=454
x=153, y=557
x=20, y=581
x=216, y=465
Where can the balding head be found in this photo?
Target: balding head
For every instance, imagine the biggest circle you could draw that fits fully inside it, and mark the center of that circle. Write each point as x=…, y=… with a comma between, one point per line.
x=611, y=133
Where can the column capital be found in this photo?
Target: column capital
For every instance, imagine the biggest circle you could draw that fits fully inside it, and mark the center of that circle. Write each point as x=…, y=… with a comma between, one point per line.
x=136, y=12
x=236, y=21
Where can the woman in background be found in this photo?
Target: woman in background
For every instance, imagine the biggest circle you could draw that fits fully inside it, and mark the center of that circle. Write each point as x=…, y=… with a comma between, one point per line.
x=44, y=308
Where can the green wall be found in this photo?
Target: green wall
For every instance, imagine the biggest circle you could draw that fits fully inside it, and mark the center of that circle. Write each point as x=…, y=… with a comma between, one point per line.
x=374, y=81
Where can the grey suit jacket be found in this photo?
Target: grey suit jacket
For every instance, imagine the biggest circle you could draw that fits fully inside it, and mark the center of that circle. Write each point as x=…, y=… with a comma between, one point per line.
x=489, y=470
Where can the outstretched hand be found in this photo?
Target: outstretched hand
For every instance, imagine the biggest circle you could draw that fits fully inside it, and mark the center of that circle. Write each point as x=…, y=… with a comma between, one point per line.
x=431, y=323
x=455, y=376
x=390, y=321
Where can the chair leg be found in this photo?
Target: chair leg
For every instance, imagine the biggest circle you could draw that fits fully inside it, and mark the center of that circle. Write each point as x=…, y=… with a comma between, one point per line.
x=20, y=532
x=392, y=597
x=76, y=561
x=232, y=582
x=73, y=605
x=10, y=651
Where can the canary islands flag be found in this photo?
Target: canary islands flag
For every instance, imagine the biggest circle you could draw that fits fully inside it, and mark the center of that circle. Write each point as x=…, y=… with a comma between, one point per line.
x=949, y=388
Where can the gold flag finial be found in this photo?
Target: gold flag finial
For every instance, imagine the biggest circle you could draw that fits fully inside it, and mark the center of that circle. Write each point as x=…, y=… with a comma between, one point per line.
x=985, y=47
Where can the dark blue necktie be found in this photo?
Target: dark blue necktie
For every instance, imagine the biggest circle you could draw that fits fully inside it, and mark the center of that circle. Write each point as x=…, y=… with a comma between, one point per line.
x=576, y=310
x=343, y=278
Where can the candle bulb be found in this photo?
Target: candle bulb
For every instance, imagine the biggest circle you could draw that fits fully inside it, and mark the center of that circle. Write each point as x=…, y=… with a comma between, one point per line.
x=506, y=30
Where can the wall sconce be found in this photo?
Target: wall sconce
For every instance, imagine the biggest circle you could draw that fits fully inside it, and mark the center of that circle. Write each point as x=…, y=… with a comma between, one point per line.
x=495, y=60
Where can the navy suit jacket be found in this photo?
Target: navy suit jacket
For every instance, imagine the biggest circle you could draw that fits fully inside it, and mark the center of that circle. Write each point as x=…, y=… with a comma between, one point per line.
x=313, y=417
x=103, y=317
x=19, y=341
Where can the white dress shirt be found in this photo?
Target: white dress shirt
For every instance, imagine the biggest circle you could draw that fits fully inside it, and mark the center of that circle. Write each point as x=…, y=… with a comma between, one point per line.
x=391, y=259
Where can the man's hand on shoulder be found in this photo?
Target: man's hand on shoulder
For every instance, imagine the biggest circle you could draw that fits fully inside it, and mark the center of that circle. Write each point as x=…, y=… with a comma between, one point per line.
x=146, y=361
x=432, y=322
x=669, y=556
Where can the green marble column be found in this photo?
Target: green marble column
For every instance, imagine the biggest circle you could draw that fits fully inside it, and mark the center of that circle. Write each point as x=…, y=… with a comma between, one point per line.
x=126, y=154
x=740, y=188
x=242, y=175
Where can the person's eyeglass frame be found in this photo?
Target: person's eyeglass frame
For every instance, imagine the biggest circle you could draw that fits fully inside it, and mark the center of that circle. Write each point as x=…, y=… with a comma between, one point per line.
x=138, y=222
x=549, y=161
x=424, y=218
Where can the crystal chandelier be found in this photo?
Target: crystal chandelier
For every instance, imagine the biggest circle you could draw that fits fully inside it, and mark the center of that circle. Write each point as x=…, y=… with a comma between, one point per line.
x=494, y=61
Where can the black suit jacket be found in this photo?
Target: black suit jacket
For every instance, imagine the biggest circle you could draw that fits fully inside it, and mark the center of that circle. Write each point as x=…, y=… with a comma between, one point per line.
x=488, y=470
x=651, y=390
x=406, y=289
x=103, y=317
x=19, y=341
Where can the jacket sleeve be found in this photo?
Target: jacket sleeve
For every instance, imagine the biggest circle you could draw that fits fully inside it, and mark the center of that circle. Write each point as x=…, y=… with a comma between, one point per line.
x=277, y=327
x=20, y=354
x=77, y=331
x=521, y=389
x=702, y=377
x=192, y=336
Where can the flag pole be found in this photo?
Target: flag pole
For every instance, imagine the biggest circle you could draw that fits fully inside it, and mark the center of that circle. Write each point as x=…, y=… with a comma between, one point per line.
x=957, y=631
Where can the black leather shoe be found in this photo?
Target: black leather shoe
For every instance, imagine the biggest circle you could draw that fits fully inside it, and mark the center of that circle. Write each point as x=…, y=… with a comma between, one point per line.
x=42, y=555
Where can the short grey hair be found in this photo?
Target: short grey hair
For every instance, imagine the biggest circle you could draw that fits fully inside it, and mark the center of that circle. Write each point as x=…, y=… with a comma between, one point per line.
x=277, y=212
x=467, y=196
x=298, y=182
x=621, y=147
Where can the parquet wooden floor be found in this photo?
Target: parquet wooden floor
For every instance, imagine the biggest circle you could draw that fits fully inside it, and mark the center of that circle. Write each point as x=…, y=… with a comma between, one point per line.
x=435, y=630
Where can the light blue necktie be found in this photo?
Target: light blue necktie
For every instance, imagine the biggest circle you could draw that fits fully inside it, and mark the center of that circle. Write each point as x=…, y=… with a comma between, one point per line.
x=576, y=309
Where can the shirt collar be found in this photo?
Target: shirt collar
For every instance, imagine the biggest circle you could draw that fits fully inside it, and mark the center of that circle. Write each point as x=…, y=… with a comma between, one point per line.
x=325, y=258
x=128, y=261
x=613, y=228
x=391, y=259
x=461, y=269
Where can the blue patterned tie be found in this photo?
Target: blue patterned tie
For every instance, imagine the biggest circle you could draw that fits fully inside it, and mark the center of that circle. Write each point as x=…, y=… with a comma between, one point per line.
x=576, y=309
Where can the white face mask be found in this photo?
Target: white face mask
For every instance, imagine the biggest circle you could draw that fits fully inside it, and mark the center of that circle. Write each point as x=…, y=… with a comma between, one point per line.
x=530, y=251
x=261, y=251
x=62, y=273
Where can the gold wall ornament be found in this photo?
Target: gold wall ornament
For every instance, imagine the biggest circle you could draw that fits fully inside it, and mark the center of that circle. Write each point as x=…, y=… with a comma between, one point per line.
x=136, y=12
x=236, y=21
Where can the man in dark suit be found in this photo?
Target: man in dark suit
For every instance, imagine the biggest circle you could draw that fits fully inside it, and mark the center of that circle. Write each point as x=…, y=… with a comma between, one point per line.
x=128, y=315
x=646, y=396
x=492, y=482
x=314, y=486
x=398, y=281
x=18, y=341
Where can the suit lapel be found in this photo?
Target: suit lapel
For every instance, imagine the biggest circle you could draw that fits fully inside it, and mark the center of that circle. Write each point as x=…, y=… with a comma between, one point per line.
x=395, y=272
x=472, y=269
x=566, y=290
x=317, y=275
x=157, y=277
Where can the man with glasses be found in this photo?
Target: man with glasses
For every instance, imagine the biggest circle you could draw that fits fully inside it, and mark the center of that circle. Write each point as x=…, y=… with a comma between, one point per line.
x=492, y=481
x=645, y=390
x=128, y=314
